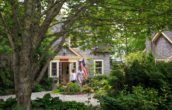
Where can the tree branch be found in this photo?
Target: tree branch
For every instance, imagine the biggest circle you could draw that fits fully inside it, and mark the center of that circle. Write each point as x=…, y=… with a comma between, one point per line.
x=14, y=5
x=7, y=31
x=44, y=68
x=52, y=13
x=67, y=24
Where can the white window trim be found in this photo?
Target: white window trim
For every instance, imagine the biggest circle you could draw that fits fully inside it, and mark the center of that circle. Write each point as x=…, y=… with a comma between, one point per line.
x=50, y=69
x=95, y=66
x=70, y=66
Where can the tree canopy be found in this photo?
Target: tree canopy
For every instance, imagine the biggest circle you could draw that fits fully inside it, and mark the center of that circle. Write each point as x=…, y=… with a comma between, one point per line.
x=29, y=28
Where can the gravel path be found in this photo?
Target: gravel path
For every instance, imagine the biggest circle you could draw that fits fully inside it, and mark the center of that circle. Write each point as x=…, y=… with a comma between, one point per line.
x=78, y=98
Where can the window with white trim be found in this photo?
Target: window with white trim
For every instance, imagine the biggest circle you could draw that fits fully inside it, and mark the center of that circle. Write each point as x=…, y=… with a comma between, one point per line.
x=53, y=69
x=98, y=66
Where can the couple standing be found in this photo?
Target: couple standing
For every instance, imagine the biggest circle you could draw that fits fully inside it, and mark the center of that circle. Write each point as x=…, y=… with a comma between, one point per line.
x=77, y=77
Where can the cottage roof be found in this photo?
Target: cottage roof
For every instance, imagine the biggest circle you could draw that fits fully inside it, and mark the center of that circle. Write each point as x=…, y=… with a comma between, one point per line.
x=167, y=35
x=78, y=51
x=75, y=51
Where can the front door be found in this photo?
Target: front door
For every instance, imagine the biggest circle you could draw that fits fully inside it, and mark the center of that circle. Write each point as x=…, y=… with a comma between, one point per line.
x=64, y=72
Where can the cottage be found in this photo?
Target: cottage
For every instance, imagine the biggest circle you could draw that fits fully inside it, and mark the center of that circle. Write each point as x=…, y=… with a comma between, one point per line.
x=161, y=46
x=97, y=63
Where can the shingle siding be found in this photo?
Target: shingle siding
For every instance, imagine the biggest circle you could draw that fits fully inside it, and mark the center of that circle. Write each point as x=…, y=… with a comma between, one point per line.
x=103, y=56
x=163, y=49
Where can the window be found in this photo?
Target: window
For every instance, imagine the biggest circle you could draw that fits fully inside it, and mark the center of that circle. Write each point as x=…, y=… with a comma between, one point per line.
x=98, y=66
x=53, y=69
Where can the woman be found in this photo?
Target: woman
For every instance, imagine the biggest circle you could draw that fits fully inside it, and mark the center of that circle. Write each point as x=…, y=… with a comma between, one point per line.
x=73, y=76
x=80, y=77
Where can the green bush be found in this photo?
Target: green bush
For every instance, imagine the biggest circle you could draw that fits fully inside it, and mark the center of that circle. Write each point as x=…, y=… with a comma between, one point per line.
x=9, y=104
x=44, y=85
x=87, y=89
x=100, y=85
x=38, y=88
x=148, y=74
x=72, y=88
x=139, y=99
x=116, y=78
x=97, y=82
x=155, y=81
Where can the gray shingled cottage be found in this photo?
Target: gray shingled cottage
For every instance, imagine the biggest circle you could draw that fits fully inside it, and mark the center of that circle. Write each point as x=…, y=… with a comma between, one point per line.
x=161, y=46
x=97, y=63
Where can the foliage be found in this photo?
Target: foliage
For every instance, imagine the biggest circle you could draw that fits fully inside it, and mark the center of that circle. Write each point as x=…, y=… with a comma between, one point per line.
x=140, y=85
x=6, y=81
x=9, y=104
x=147, y=74
x=139, y=56
x=47, y=103
x=73, y=88
x=98, y=21
x=97, y=82
x=87, y=89
x=44, y=85
x=116, y=79
x=38, y=88
x=138, y=99
x=70, y=88
x=4, y=48
x=100, y=85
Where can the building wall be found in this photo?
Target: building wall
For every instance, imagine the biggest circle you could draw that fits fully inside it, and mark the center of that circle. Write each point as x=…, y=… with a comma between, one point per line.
x=89, y=59
x=100, y=56
x=162, y=48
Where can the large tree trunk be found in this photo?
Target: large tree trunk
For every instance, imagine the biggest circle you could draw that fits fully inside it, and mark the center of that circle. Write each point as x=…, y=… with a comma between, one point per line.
x=24, y=94
x=22, y=75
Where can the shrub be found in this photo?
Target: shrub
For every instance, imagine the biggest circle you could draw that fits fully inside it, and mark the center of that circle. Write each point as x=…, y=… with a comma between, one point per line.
x=38, y=88
x=47, y=103
x=87, y=89
x=100, y=85
x=116, y=78
x=74, y=106
x=156, y=79
x=44, y=85
x=97, y=82
x=146, y=74
x=72, y=88
x=9, y=104
x=139, y=99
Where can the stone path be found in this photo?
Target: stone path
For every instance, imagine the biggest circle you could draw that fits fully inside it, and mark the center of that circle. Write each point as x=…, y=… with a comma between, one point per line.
x=78, y=98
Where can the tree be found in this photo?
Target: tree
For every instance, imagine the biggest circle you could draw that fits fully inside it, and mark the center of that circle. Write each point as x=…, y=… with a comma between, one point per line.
x=29, y=23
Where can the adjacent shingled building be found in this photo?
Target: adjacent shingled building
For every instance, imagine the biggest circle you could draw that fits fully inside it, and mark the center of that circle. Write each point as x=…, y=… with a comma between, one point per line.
x=161, y=46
